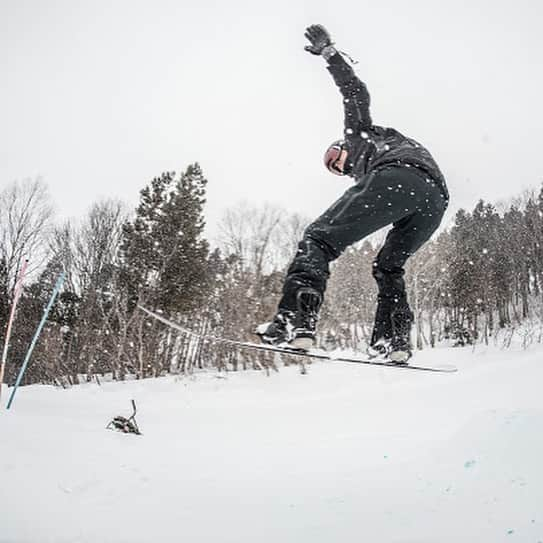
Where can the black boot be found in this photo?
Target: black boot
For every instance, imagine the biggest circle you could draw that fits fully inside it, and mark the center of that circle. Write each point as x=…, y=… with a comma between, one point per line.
x=379, y=349
x=279, y=330
x=294, y=328
x=382, y=329
x=401, y=336
x=308, y=303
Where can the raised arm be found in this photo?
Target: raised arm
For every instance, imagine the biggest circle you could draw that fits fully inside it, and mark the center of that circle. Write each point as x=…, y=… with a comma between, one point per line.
x=356, y=99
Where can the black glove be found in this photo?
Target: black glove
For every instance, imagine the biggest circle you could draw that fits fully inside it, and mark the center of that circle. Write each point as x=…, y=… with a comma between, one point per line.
x=319, y=38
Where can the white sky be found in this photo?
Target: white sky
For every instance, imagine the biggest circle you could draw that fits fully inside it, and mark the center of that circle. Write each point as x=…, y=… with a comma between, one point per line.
x=97, y=97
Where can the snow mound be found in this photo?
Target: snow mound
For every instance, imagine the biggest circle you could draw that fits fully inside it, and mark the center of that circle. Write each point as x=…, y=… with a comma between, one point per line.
x=344, y=453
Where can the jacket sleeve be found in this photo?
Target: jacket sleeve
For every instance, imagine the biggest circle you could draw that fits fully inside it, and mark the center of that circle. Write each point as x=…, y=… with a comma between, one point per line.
x=356, y=99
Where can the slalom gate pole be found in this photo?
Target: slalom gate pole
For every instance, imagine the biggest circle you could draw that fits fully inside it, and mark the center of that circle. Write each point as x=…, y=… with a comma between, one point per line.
x=58, y=285
x=16, y=294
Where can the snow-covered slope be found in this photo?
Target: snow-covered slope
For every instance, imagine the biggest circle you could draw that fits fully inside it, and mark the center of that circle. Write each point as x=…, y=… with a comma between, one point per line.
x=344, y=453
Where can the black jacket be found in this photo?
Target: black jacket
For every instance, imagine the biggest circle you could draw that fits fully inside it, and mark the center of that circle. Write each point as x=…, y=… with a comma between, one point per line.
x=374, y=147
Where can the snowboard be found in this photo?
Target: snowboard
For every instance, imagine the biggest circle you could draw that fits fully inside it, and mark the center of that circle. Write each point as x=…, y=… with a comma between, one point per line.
x=312, y=353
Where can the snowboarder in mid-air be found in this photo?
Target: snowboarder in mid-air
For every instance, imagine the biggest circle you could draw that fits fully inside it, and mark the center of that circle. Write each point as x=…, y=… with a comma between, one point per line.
x=396, y=182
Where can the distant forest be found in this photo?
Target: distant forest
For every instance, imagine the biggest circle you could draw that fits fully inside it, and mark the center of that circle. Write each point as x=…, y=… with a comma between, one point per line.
x=480, y=280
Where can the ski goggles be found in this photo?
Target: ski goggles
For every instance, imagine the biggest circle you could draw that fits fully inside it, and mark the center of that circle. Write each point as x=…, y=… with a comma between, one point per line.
x=335, y=157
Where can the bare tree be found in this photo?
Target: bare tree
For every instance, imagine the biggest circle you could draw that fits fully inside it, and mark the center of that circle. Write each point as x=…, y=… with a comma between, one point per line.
x=89, y=253
x=97, y=242
x=291, y=231
x=262, y=238
x=25, y=217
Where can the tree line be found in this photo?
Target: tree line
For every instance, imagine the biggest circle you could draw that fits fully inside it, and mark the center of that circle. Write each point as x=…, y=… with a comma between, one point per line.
x=481, y=279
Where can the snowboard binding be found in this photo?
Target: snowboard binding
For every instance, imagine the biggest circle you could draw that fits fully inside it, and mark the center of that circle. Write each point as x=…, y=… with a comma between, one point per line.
x=125, y=425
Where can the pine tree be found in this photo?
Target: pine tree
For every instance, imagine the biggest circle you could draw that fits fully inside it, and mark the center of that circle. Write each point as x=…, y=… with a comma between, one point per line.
x=164, y=253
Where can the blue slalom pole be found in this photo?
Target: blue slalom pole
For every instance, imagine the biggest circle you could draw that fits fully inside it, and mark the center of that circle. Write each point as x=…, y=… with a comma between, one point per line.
x=58, y=285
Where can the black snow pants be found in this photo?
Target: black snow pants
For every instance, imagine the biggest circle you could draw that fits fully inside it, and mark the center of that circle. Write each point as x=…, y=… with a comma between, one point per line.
x=399, y=195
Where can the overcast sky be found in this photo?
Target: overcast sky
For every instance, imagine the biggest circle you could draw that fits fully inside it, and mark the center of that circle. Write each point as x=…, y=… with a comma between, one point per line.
x=97, y=97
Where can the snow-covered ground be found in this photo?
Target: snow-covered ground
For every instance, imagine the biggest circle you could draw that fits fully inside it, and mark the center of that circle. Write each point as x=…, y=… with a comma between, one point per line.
x=346, y=453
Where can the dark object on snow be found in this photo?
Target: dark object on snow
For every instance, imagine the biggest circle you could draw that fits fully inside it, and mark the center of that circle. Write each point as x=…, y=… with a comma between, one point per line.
x=126, y=425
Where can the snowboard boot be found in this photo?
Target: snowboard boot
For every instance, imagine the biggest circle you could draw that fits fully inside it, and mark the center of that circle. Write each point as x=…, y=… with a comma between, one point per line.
x=382, y=330
x=308, y=303
x=294, y=329
x=400, y=344
x=379, y=349
x=279, y=330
